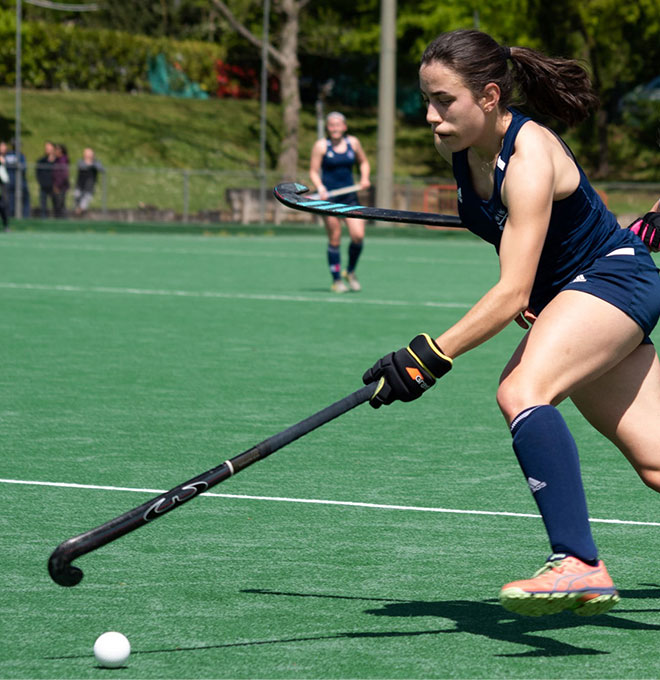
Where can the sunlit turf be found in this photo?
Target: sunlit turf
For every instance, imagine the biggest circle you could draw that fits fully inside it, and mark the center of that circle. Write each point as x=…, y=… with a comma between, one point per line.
x=373, y=547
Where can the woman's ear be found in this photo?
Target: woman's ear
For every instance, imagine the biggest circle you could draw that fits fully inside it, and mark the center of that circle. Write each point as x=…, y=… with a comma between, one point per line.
x=490, y=97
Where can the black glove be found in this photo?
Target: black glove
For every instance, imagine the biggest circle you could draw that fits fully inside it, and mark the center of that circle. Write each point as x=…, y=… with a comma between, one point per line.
x=648, y=229
x=407, y=373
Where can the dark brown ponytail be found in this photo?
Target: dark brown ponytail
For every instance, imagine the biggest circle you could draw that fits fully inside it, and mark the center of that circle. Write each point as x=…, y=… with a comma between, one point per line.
x=556, y=87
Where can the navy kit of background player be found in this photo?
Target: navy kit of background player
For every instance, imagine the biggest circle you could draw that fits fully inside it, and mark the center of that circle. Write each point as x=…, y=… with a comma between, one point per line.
x=15, y=173
x=331, y=167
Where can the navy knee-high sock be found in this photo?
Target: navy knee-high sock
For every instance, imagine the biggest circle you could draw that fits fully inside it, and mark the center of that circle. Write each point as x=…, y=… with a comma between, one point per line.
x=334, y=262
x=354, y=250
x=549, y=460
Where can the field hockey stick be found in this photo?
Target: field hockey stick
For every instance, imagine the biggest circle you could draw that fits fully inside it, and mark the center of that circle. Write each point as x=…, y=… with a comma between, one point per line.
x=339, y=192
x=59, y=564
x=291, y=195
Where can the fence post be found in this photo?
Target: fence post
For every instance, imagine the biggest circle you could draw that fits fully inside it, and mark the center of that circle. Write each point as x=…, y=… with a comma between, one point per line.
x=104, y=193
x=18, y=188
x=186, y=195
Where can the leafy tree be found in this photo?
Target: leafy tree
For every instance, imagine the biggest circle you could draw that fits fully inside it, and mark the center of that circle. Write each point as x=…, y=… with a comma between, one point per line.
x=283, y=55
x=178, y=19
x=313, y=42
x=619, y=43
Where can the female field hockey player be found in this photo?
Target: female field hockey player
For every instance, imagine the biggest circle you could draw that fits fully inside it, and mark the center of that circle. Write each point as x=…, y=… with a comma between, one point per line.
x=589, y=288
x=331, y=167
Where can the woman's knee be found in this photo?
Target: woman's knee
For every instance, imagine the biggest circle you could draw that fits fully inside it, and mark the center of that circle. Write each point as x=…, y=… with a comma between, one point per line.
x=507, y=401
x=514, y=396
x=355, y=230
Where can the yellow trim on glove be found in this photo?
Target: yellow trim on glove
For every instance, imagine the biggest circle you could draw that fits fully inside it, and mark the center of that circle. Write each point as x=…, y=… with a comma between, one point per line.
x=435, y=349
x=381, y=383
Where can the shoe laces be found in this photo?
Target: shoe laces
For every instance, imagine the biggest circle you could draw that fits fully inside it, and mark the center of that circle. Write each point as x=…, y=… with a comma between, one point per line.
x=549, y=566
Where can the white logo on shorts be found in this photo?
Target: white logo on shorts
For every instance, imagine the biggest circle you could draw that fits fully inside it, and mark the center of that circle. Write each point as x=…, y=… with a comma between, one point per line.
x=579, y=279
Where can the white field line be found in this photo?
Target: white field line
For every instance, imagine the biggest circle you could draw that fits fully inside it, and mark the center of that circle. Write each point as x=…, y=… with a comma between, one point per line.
x=226, y=296
x=317, y=501
x=112, y=242
x=229, y=252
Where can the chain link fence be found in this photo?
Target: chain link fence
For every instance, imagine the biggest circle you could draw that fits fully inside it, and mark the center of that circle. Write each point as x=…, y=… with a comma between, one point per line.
x=127, y=194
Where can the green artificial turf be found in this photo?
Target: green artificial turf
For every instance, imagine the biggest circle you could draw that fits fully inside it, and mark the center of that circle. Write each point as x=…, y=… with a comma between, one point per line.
x=373, y=547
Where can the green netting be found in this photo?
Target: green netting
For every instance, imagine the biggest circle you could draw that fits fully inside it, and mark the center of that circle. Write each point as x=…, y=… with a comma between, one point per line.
x=169, y=79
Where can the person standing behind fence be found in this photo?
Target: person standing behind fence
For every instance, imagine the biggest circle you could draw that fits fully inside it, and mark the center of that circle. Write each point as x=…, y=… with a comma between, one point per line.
x=331, y=167
x=88, y=171
x=4, y=185
x=12, y=163
x=44, y=172
x=60, y=180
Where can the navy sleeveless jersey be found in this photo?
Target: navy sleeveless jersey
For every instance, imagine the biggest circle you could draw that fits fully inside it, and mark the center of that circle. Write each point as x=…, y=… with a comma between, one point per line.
x=337, y=168
x=581, y=228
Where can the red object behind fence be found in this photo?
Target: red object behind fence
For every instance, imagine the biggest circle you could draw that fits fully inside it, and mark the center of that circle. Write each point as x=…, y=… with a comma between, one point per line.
x=239, y=82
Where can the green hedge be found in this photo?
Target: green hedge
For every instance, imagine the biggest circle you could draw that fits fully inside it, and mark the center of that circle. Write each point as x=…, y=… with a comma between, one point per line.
x=66, y=57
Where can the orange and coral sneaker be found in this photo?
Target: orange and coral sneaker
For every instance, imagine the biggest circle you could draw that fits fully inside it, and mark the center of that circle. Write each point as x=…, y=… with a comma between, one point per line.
x=563, y=582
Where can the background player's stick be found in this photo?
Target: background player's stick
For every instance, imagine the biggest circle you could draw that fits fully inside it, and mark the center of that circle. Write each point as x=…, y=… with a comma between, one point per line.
x=338, y=192
x=59, y=564
x=291, y=195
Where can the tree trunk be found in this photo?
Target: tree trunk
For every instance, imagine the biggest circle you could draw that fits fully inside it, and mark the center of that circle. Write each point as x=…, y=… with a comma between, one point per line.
x=288, y=158
x=287, y=66
x=603, y=169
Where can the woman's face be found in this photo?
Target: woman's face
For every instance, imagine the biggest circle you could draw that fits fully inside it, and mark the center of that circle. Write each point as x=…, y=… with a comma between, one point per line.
x=336, y=127
x=456, y=118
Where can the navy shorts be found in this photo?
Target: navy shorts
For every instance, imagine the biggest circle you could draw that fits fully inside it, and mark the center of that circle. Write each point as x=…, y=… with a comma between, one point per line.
x=346, y=199
x=628, y=279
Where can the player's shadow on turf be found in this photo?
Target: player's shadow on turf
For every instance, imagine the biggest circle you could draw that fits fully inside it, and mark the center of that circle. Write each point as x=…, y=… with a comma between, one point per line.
x=650, y=593
x=485, y=618
x=488, y=619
